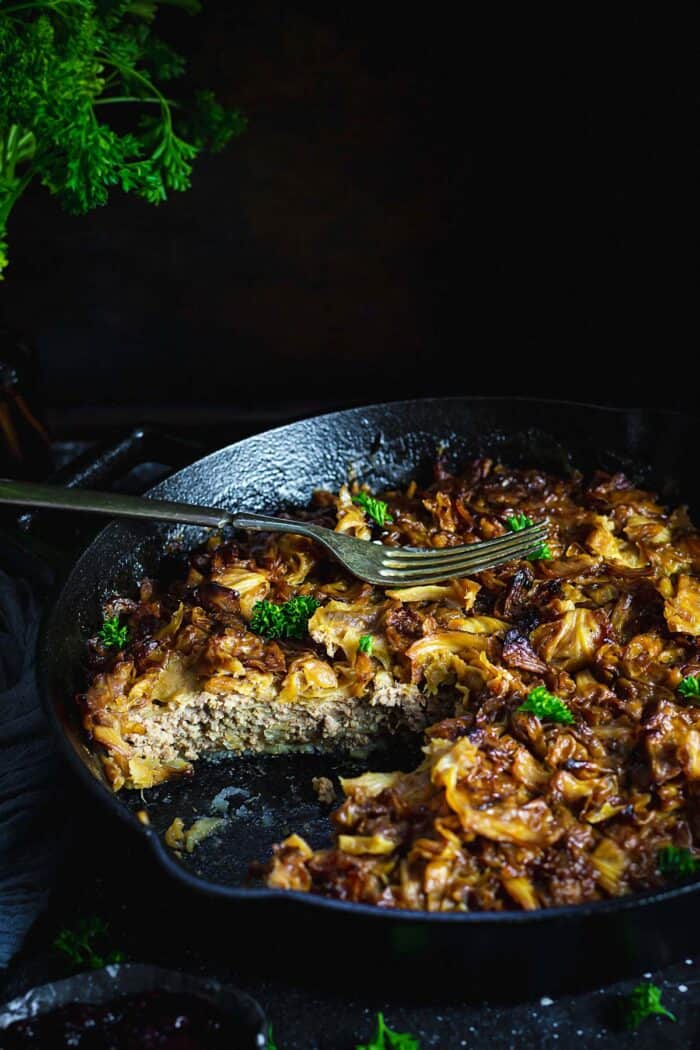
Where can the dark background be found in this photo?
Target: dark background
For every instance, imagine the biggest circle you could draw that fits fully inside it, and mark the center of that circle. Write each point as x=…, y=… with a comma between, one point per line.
x=425, y=202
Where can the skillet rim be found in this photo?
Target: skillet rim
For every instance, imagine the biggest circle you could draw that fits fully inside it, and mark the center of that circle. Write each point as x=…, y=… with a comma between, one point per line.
x=289, y=898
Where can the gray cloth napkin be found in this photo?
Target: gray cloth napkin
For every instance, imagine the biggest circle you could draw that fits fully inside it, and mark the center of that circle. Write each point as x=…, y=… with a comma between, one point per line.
x=32, y=782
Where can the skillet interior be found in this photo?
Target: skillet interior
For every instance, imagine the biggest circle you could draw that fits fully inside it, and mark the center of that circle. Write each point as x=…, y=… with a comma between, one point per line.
x=383, y=445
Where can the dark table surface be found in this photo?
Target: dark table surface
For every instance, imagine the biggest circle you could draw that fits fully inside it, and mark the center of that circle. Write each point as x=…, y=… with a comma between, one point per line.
x=109, y=872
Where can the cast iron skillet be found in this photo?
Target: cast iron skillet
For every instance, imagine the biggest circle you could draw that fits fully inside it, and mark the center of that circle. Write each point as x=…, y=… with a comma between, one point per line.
x=267, y=797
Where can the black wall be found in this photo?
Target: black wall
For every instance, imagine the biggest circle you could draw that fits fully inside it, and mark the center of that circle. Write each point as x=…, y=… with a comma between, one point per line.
x=420, y=205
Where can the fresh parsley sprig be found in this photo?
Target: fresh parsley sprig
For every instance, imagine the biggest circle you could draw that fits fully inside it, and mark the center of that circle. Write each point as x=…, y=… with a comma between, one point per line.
x=689, y=688
x=365, y=644
x=290, y=620
x=374, y=508
x=546, y=706
x=643, y=1002
x=542, y=552
x=112, y=635
x=80, y=945
x=386, y=1039
x=518, y=522
x=66, y=66
x=677, y=862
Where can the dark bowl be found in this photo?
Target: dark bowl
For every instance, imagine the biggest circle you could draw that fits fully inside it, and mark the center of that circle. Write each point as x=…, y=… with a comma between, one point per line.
x=118, y=981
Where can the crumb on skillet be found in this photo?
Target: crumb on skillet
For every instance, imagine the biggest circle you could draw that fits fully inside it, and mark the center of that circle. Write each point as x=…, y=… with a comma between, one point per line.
x=325, y=792
x=178, y=838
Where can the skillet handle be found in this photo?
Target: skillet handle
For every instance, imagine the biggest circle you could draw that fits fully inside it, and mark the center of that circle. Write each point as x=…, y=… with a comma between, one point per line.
x=114, y=504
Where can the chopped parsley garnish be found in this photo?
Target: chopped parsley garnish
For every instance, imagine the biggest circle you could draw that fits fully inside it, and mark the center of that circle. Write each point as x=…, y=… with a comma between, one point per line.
x=689, y=688
x=365, y=644
x=112, y=635
x=271, y=1044
x=268, y=619
x=374, y=508
x=645, y=1000
x=297, y=612
x=546, y=706
x=386, y=1039
x=290, y=620
x=677, y=861
x=81, y=945
x=520, y=521
x=540, y=553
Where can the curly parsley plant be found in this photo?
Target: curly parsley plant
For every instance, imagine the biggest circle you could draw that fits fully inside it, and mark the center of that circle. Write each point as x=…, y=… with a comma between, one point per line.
x=68, y=70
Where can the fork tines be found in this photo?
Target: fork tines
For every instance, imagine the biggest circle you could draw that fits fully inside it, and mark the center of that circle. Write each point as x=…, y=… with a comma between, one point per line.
x=430, y=566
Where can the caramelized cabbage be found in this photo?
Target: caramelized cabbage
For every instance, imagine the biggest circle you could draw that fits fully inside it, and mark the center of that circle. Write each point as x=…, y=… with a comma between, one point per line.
x=506, y=810
x=682, y=611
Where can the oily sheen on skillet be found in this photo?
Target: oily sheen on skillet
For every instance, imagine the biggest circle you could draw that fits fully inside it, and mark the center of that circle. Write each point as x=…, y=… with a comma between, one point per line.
x=385, y=446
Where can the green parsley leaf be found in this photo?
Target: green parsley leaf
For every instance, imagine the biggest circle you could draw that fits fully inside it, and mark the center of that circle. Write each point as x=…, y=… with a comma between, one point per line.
x=546, y=706
x=644, y=1001
x=267, y=619
x=689, y=688
x=520, y=521
x=677, y=862
x=365, y=644
x=209, y=125
x=271, y=1044
x=374, y=508
x=112, y=635
x=297, y=612
x=386, y=1039
x=80, y=945
x=540, y=553
x=290, y=620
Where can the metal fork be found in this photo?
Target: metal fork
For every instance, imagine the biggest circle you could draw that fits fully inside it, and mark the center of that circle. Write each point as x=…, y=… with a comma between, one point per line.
x=373, y=562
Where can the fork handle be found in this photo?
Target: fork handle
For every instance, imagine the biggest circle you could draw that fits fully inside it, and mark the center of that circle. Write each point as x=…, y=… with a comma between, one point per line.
x=119, y=505
x=114, y=504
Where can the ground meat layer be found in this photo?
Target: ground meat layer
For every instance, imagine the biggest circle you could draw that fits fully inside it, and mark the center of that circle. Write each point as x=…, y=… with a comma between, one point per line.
x=205, y=722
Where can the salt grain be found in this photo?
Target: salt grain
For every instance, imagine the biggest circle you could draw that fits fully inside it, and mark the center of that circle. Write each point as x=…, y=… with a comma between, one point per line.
x=546, y=1001
x=682, y=987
